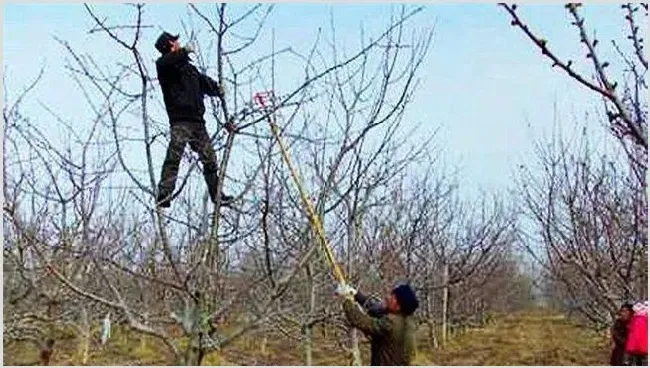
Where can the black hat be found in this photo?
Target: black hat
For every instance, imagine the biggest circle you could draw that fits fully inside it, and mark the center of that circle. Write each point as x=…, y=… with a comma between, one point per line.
x=162, y=44
x=406, y=298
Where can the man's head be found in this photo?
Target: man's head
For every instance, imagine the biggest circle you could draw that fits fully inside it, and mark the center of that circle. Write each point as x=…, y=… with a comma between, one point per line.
x=167, y=42
x=625, y=312
x=402, y=300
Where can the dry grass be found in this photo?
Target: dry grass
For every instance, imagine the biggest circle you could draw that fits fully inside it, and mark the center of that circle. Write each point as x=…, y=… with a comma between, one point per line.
x=534, y=338
x=525, y=339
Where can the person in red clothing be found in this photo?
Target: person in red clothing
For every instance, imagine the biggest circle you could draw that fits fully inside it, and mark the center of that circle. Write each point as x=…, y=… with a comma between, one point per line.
x=636, y=346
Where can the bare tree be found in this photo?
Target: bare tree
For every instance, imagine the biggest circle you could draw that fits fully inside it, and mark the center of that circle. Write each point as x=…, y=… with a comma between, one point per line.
x=624, y=96
x=105, y=244
x=82, y=229
x=419, y=230
x=50, y=222
x=589, y=212
x=585, y=212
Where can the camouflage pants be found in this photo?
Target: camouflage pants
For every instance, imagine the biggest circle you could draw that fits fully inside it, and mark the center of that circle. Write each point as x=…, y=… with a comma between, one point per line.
x=197, y=136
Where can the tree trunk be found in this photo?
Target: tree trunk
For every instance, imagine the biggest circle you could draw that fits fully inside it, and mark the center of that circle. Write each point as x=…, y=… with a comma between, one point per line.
x=193, y=356
x=307, y=329
x=193, y=353
x=445, y=302
x=265, y=341
x=143, y=343
x=191, y=325
x=85, y=335
x=356, y=353
x=308, y=345
x=431, y=322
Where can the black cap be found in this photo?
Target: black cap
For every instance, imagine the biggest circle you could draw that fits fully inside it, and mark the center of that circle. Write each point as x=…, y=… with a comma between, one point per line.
x=162, y=44
x=628, y=306
x=406, y=298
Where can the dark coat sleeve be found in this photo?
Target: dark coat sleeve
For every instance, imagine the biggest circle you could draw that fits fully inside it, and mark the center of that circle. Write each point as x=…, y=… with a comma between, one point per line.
x=209, y=86
x=362, y=321
x=373, y=307
x=619, y=332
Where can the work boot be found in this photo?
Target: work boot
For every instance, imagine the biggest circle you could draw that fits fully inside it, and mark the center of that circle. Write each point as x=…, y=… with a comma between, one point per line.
x=225, y=199
x=212, y=181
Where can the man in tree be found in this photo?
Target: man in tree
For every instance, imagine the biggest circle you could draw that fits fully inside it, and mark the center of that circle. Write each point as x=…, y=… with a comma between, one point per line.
x=619, y=335
x=390, y=326
x=184, y=88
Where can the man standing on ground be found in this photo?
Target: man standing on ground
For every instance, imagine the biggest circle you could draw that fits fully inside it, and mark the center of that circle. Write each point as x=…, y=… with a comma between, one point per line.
x=619, y=335
x=390, y=326
x=183, y=88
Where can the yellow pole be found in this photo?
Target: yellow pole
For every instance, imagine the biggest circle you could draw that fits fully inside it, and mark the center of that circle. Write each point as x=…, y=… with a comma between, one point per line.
x=313, y=217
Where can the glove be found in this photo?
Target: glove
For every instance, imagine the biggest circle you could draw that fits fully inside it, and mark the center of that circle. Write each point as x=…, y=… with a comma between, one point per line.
x=346, y=290
x=222, y=90
x=189, y=48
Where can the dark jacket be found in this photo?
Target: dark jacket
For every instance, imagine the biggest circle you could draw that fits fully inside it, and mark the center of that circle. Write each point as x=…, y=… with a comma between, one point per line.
x=392, y=336
x=183, y=87
x=619, y=338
